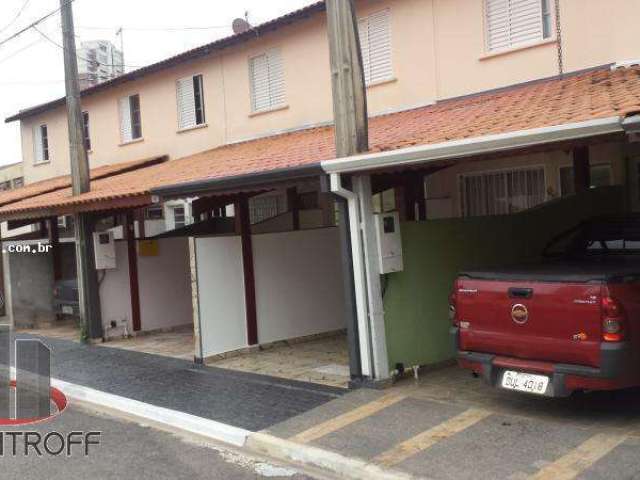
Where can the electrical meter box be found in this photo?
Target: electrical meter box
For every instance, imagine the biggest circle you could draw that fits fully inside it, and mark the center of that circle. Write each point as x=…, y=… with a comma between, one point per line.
x=389, y=241
x=104, y=247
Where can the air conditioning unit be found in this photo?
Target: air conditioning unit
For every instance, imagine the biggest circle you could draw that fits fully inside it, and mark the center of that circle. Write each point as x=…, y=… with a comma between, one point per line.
x=104, y=246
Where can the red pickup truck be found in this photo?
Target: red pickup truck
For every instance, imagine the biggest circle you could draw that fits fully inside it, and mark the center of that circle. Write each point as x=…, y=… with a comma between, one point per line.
x=570, y=322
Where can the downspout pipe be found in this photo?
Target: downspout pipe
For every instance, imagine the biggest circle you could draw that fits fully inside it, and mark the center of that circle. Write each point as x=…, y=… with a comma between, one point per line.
x=359, y=275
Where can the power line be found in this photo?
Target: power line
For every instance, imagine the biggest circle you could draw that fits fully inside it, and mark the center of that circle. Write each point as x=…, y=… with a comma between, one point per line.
x=156, y=29
x=46, y=37
x=10, y=56
x=15, y=19
x=34, y=24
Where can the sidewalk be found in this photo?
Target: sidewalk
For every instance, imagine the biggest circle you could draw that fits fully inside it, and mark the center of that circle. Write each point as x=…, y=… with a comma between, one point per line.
x=244, y=400
x=451, y=426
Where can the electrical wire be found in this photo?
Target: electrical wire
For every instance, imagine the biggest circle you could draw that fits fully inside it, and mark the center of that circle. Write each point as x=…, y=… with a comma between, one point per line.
x=15, y=19
x=155, y=29
x=26, y=47
x=49, y=39
x=34, y=24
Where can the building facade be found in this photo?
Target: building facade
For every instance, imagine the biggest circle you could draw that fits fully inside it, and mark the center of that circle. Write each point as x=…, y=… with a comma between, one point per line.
x=98, y=61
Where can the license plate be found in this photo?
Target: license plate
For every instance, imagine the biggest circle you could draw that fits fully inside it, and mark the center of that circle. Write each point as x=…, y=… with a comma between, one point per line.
x=525, y=382
x=67, y=310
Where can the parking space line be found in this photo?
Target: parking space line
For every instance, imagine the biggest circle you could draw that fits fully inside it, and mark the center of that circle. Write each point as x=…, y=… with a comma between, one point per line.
x=580, y=458
x=341, y=421
x=430, y=437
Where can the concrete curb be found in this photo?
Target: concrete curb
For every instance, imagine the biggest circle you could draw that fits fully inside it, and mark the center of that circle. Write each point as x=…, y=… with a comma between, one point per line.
x=345, y=467
x=164, y=416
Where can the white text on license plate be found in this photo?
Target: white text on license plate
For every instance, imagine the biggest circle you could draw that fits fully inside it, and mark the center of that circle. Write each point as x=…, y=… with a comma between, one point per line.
x=525, y=382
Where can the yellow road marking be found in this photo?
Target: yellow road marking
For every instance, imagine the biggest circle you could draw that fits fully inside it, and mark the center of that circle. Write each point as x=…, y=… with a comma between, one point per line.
x=345, y=419
x=580, y=458
x=430, y=437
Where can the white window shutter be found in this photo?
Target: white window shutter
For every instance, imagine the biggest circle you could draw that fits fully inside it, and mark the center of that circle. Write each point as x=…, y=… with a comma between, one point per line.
x=276, y=78
x=259, y=82
x=375, y=43
x=513, y=22
x=266, y=74
x=38, y=151
x=186, y=103
x=125, y=120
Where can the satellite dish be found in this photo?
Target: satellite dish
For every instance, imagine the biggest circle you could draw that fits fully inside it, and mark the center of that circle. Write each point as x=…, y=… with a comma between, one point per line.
x=240, y=25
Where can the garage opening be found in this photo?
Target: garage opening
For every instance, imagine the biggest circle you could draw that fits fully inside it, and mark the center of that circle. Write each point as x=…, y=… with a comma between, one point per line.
x=284, y=316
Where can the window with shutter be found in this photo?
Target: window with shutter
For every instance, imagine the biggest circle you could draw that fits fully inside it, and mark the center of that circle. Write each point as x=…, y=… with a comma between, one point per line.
x=190, y=102
x=266, y=75
x=502, y=192
x=130, y=119
x=510, y=23
x=41, y=144
x=85, y=130
x=375, y=43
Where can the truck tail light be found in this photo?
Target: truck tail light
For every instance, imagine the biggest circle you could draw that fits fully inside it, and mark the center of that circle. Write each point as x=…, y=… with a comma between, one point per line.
x=613, y=319
x=453, y=304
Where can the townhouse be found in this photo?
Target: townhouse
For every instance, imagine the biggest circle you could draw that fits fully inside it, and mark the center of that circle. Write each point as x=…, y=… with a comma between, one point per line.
x=241, y=127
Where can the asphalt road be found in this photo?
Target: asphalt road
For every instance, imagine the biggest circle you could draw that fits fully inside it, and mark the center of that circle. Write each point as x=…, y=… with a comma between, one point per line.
x=126, y=450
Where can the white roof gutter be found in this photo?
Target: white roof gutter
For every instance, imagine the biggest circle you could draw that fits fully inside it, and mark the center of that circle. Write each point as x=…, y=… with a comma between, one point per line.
x=478, y=145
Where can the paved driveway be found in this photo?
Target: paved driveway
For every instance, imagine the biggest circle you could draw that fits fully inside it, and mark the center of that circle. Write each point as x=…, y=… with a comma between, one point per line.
x=449, y=425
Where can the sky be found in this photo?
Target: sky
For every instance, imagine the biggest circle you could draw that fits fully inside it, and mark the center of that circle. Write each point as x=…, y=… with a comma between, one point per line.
x=31, y=67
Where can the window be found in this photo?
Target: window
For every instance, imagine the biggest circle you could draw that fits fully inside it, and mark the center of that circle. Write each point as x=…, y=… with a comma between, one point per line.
x=501, y=193
x=375, y=45
x=190, y=102
x=179, y=217
x=154, y=213
x=18, y=182
x=600, y=177
x=510, y=23
x=5, y=186
x=266, y=206
x=41, y=144
x=130, y=122
x=85, y=131
x=266, y=75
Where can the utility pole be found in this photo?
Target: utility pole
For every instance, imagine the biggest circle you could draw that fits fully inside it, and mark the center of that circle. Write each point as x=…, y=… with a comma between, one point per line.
x=367, y=342
x=89, y=299
x=347, y=79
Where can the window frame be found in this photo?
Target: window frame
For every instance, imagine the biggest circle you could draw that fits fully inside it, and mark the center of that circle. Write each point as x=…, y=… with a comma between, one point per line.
x=41, y=135
x=546, y=12
x=183, y=223
x=86, y=131
x=134, y=111
x=200, y=116
x=273, y=105
x=368, y=74
x=463, y=207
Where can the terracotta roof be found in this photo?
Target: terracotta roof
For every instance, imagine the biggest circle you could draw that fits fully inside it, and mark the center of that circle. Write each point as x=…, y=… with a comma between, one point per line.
x=595, y=94
x=57, y=183
x=189, y=55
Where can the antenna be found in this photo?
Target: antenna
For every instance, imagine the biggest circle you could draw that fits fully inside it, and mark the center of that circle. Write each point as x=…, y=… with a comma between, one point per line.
x=240, y=25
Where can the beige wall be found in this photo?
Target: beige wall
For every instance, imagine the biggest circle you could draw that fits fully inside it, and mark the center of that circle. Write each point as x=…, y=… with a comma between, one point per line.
x=443, y=193
x=437, y=52
x=10, y=172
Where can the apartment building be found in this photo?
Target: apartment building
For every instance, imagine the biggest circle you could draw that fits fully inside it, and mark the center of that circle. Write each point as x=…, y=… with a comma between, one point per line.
x=98, y=61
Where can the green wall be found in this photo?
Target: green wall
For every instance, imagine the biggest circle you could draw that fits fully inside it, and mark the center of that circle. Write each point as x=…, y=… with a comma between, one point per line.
x=416, y=300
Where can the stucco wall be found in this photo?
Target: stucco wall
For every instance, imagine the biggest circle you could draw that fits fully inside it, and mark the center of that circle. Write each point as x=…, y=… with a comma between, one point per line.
x=31, y=288
x=442, y=187
x=298, y=283
x=165, y=288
